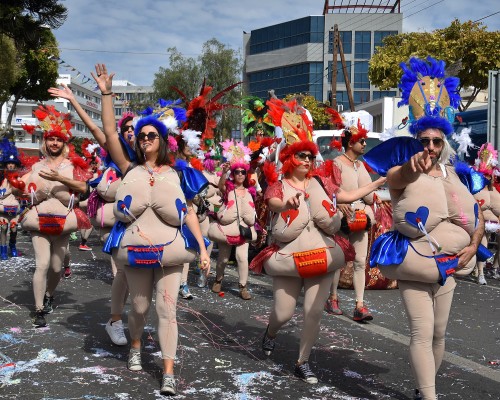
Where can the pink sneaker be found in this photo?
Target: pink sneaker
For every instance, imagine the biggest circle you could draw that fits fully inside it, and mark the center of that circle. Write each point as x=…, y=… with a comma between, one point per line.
x=84, y=247
x=332, y=307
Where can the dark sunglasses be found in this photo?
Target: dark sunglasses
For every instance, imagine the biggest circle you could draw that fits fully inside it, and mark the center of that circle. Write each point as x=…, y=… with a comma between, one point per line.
x=362, y=141
x=435, y=141
x=151, y=136
x=127, y=128
x=304, y=156
x=240, y=172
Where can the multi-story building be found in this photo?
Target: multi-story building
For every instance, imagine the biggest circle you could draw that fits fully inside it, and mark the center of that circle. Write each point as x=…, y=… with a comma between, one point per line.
x=297, y=56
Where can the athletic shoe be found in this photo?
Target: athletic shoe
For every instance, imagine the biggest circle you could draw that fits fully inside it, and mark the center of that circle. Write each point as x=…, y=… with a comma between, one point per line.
x=184, y=291
x=134, y=360
x=362, y=314
x=268, y=343
x=73, y=236
x=67, y=272
x=481, y=280
x=84, y=247
x=39, y=320
x=168, y=385
x=116, y=333
x=303, y=371
x=47, y=304
x=332, y=307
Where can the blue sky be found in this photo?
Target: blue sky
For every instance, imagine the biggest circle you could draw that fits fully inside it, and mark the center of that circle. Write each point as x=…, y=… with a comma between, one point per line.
x=132, y=36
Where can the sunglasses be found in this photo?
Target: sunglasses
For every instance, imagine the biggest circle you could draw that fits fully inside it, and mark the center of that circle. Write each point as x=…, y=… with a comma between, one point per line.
x=304, y=156
x=362, y=141
x=151, y=136
x=127, y=128
x=435, y=141
x=240, y=172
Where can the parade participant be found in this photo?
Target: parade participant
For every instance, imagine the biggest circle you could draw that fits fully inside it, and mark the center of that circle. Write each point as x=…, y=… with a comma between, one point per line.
x=359, y=214
x=156, y=234
x=51, y=185
x=435, y=235
x=236, y=218
x=305, y=250
x=9, y=205
x=101, y=204
x=488, y=199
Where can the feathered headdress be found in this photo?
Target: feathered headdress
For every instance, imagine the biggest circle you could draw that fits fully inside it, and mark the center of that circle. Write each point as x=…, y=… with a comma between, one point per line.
x=255, y=117
x=349, y=122
x=166, y=117
x=200, y=111
x=487, y=159
x=291, y=118
x=52, y=123
x=89, y=149
x=9, y=152
x=237, y=154
x=432, y=98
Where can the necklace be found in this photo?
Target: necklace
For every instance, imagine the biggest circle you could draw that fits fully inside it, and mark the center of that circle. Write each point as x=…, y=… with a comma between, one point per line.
x=306, y=195
x=351, y=160
x=151, y=172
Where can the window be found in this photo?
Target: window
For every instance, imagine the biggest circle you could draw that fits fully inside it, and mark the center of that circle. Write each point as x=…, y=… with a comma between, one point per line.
x=378, y=37
x=383, y=93
x=340, y=72
x=118, y=111
x=361, y=97
x=362, y=47
x=345, y=38
x=361, y=75
x=342, y=100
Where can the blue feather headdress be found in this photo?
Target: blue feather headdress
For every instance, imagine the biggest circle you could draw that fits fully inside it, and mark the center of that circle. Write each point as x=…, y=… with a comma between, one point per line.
x=9, y=152
x=432, y=98
x=166, y=117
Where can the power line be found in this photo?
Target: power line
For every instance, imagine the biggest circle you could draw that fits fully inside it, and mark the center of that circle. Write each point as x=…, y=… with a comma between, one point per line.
x=477, y=20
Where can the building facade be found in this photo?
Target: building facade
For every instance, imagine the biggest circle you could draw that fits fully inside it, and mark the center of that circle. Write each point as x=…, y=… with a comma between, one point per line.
x=297, y=56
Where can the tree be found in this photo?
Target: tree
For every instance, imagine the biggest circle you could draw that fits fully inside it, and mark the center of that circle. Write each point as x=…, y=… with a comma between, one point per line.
x=317, y=109
x=468, y=48
x=37, y=72
x=8, y=70
x=219, y=65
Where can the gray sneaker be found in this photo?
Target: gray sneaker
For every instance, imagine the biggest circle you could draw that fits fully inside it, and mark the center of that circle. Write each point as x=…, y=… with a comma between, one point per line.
x=168, y=385
x=134, y=360
x=481, y=280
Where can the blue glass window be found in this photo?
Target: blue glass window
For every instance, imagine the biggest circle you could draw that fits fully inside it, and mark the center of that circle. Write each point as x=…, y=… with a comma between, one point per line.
x=378, y=37
x=361, y=80
x=340, y=72
x=345, y=37
x=361, y=96
x=383, y=93
x=363, y=45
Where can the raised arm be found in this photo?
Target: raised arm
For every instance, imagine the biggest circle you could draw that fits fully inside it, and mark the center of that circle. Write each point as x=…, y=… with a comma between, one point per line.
x=401, y=176
x=222, y=181
x=67, y=94
x=115, y=149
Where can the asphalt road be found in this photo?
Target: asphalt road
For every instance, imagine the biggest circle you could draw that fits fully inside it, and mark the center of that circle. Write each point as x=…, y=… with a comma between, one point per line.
x=219, y=355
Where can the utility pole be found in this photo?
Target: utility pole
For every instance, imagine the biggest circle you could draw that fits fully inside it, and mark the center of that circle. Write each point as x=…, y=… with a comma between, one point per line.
x=337, y=43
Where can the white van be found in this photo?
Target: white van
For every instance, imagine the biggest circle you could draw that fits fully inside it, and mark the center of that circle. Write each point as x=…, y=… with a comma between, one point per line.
x=324, y=138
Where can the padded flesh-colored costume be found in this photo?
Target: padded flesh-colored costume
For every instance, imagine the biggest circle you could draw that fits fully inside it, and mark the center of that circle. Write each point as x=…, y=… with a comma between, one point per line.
x=489, y=201
x=451, y=221
x=226, y=229
x=50, y=198
x=106, y=190
x=9, y=205
x=309, y=228
x=152, y=234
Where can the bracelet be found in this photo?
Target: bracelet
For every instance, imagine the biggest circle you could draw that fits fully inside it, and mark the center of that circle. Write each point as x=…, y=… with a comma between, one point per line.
x=106, y=94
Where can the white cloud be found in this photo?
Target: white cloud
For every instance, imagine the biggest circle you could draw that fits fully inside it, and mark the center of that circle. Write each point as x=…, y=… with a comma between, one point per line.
x=120, y=33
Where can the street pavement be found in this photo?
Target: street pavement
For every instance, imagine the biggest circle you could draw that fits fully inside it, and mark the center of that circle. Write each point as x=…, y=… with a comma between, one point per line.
x=219, y=354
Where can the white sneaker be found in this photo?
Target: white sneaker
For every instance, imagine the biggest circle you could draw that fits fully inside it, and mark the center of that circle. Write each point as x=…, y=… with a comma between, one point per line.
x=168, y=385
x=481, y=280
x=134, y=360
x=116, y=333
x=184, y=291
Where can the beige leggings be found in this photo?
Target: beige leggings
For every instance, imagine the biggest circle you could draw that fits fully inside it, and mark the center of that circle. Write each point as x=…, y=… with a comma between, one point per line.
x=481, y=264
x=427, y=307
x=49, y=257
x=286, y=290
x=241, y=260
x=141, y=283
x=359, y=240
x=119, y=288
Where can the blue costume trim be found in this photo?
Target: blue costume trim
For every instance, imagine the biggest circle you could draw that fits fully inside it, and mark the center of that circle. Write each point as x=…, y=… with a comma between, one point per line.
x=392, y=152
x=192, y=180
x=190, y=241
x=115, y=237
x=473, y=180
x=390, y=248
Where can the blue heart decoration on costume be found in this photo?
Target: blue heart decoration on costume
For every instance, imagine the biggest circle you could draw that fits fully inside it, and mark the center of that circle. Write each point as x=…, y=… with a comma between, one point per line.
x=2, y=192
x=181, y=206
x=124, y=204
x=421, y=215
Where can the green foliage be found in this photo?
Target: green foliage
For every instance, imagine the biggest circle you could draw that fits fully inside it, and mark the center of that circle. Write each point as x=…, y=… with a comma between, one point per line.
x=317, y=109
x=8, y=70
x=468, y=48
x=219, y=65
